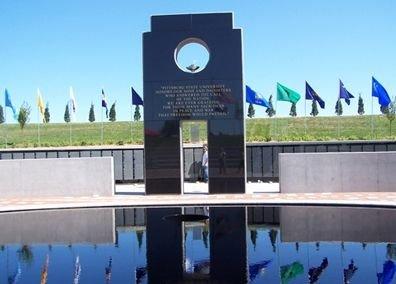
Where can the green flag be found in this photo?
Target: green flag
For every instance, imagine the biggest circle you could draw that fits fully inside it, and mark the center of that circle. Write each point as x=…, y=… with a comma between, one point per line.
x=285, y=94
x=288, y=272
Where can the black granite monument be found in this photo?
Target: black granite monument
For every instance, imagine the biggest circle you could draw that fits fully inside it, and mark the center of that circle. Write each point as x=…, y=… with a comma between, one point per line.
x=166, y=247
x=213, y=93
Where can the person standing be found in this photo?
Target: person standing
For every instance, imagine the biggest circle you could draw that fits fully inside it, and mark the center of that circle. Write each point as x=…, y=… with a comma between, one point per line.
x=205, y=163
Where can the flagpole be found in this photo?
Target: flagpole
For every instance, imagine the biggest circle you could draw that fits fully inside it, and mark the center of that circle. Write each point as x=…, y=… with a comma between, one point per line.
x=70, y=133
x=5, y=127
x=71, y=114
x=338, y=104
x=38, y=126
x=101, y=114
x=305, y=116
x=276, y=118
x=338, y=125
x=131, y=124
x=372, y=117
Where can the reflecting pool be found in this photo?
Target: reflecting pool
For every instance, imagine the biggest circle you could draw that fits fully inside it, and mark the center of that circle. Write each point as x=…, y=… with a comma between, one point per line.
x=199, y=245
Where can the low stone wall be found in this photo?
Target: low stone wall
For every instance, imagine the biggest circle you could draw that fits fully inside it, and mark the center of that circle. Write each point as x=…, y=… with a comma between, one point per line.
x=56, y=177
x=337, y=172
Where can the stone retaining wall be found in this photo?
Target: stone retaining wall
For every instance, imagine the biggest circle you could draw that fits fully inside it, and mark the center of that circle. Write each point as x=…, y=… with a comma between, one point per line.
x=337, y=172
x=56, y=177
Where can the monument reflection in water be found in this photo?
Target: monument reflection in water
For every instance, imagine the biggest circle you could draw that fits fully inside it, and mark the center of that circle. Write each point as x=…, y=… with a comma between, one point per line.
x=233, y=245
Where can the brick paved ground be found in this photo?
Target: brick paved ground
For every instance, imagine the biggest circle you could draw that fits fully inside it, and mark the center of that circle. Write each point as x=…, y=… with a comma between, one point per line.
x=138, y=199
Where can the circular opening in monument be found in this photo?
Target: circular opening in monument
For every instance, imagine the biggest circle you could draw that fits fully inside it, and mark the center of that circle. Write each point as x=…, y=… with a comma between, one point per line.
x=186, y=217
x=192, y=55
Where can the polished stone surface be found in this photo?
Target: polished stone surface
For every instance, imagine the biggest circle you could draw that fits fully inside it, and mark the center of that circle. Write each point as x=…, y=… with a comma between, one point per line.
x=228, y=249
x=34, y=178
x=310, y=224
x=214, y=94
x=164, y=245
x=337, y=172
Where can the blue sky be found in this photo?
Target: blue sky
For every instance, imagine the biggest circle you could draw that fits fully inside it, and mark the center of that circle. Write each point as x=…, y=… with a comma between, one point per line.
x=92, y=45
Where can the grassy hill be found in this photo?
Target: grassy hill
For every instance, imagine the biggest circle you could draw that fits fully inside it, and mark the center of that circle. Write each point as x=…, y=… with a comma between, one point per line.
x=257, y=130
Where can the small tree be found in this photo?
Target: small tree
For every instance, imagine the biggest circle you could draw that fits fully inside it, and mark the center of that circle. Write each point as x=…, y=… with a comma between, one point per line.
x=253, y=237
x=273, y=235
x=270, y=111
x=25, y=254
x=251, y=111
x=360, y=105
x=293, y=110
x=391, y=114
x=112, y=114
x=139, y=238
x=338, y=108
x=314, y=111
x=47, y=115
x=24, y=115
x=2, y=119
x=137, y=115
x=66, y=116
x=91, y=116
x=384, y=109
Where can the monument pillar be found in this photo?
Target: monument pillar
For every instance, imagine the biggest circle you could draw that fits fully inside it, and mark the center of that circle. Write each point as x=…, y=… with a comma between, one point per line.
x=213, y=93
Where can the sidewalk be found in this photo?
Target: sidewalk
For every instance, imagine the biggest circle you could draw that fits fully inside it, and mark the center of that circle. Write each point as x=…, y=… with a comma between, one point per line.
x=360, y=199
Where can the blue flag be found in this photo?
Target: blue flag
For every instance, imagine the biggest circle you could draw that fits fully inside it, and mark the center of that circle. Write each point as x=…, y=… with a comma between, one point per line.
x=310, y=94
x=9, y=104
x=255, y=98
x=136, y=99
x=344, y=94
x=379, y=91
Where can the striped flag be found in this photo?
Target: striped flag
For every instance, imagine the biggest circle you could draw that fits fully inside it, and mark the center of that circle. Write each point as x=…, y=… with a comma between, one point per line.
x=104, y=103
x=72, y=103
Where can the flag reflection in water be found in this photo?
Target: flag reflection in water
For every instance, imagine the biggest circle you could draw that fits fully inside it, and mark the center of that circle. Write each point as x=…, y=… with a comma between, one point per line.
x=16, y=276
x=276, y=246
x=77, y=271
x=108, y=271
x=44, y=271
x=291, y=271
x=140, y=274
x=258, y=268
x=387, y=274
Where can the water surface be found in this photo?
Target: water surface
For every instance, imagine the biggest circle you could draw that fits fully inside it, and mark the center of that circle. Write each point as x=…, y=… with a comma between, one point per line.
x=230, y=245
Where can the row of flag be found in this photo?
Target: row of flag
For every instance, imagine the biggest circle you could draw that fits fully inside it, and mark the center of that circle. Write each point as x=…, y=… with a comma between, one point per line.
x=136, y=100
x=44, y=272
x=283, y=94
x=286, y=94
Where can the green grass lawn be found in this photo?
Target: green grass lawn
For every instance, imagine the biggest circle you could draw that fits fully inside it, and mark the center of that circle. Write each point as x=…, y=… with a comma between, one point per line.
x=257, y=130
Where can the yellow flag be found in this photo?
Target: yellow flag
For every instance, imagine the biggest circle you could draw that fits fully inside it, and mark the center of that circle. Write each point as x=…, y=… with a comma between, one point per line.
x=40, y=104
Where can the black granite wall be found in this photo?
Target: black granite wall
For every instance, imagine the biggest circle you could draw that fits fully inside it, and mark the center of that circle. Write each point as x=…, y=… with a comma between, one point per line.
x=214, y=94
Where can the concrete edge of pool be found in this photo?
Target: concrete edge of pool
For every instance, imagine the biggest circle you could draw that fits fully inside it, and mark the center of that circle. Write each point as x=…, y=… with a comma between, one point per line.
x=355, y=199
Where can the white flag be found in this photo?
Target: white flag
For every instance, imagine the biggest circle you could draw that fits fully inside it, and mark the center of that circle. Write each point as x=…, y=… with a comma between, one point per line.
x=72, y=103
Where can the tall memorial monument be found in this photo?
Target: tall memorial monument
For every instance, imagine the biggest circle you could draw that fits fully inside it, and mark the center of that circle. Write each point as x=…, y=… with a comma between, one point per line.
x=213, y=93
